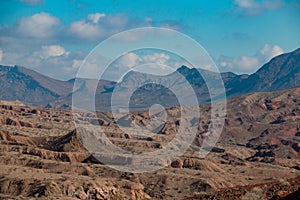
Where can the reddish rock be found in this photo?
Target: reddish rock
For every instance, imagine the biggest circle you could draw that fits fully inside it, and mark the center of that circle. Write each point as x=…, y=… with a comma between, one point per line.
x=276, y=105
x=177, y=163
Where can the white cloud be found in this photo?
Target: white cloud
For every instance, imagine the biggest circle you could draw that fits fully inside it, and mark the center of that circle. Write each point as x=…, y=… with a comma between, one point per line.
x=95, y=17
x=32, y=2
x=145, y=62
x=116, y=21
x=52, y=51
x=85, y=30
x=76, y=63
x=40, y=25
x=268, y=52
x=128, y=60
x=157, y=58
x=30, y=41
x=131, y=60
x=98, y=26
x=241, y=64
x=1, y=55
x=10, y=58
x=249, y=64
x=246, y=3
x=255, y=7
x=52, y=62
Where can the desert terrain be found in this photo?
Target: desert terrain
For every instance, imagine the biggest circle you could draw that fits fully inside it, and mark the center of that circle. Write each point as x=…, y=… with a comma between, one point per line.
x=256, y=157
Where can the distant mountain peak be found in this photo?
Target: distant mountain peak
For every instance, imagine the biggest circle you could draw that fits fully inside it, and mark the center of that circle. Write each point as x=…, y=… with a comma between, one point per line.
x=183, y=68
x=18, y=82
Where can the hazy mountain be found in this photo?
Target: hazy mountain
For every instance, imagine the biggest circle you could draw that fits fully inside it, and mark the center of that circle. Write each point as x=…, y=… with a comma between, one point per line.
x=18, y=83
x=31, y=87
x=279, y=73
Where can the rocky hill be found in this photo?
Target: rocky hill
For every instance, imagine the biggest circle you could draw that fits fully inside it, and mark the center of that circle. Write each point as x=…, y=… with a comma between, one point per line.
x=257, y=156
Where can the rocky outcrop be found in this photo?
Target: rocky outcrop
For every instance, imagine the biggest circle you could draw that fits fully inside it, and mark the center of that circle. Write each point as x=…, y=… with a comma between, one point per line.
x=12, y=122
x=15, y=122
x=169, y=128
x=232, y=160
x=36, y=111
x=67, y=143
x=72, y=188
x=274, y=190
x=262, y=156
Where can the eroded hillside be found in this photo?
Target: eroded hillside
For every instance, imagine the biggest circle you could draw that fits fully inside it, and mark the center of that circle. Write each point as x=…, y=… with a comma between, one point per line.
x=258, y=154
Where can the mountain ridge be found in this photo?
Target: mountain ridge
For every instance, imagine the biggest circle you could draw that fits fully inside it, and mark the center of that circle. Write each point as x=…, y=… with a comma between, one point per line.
x=33, y=88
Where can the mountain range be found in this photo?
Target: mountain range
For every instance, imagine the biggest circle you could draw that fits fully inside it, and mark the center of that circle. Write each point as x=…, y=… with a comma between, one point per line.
x=33, y=88
x=44, y=156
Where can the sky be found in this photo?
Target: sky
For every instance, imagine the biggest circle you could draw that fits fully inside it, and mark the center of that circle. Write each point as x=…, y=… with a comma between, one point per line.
x=53, y=37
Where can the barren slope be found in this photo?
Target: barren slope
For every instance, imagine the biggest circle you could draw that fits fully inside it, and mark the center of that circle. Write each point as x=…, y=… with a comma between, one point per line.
x=42, y=156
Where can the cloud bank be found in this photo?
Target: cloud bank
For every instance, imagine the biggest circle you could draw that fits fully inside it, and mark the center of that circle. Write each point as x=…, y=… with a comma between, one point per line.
x=256, y=7
x=249, y=64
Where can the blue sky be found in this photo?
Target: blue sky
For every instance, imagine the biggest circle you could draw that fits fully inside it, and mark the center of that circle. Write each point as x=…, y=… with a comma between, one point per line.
x=54, y=36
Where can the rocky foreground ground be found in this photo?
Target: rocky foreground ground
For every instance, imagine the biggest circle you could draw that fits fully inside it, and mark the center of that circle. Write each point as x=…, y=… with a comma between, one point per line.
x=256, y=157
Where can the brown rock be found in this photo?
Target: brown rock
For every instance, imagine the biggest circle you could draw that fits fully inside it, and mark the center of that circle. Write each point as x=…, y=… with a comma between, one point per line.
x=169, y=128
x=12, y=122
x=27, y=124
x=276, y=105
x=177, y=163
x=232, y=160
x=4, y=136
x=2, y=121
